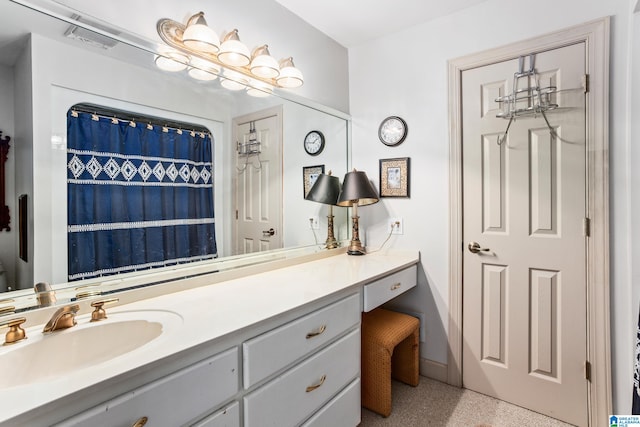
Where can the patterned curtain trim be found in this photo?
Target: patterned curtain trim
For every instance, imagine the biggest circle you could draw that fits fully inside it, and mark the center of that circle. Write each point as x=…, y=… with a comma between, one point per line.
x=136, y=267
x=106, y=169
x=81, y=228
x=136, y=183
x=133, y=156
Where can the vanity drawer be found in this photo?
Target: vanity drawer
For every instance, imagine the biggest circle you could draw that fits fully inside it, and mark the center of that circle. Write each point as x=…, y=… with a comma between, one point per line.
x=227, y=417
x=382, y=290
x=173, y=400
x=289, y=399
x=343, y=410
x=272, y=351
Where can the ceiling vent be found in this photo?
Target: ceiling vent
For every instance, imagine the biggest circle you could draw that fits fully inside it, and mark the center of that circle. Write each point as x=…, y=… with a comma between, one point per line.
x=91, y=37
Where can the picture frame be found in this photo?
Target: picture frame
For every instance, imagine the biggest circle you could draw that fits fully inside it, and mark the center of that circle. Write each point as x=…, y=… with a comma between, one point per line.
x=23, y=227
x=309, y=176
x=395, y=177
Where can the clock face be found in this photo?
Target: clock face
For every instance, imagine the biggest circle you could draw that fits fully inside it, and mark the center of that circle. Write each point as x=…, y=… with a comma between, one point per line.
x=392, y=130
x=314, y=142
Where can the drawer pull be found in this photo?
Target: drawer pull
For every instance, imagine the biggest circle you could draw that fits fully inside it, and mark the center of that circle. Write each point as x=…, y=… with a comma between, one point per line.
x=142, y=421
x=396, y=286
x=317, y=332
x=315, y=386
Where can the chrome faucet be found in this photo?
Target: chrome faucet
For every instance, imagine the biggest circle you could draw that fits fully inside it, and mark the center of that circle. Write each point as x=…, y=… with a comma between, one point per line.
x=63, y=318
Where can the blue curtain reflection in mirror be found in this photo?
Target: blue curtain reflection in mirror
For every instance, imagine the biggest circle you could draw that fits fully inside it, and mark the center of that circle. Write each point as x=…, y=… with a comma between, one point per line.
x=140, y=195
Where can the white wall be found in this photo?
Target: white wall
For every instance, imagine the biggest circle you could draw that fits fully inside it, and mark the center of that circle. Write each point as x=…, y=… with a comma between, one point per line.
x=412, y=83
x=8, y=238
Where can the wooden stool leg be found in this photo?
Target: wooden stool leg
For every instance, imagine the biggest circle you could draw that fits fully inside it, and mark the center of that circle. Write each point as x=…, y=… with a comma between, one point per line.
x=376, y=376
x=405, y=360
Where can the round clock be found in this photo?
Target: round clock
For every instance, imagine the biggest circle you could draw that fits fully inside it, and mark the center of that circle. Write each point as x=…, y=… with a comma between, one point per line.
x=314, y=142
x=392, y=131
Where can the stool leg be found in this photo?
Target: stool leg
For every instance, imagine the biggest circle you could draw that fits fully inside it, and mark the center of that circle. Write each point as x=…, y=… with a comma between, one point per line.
x=405, y=360
x=376, y=379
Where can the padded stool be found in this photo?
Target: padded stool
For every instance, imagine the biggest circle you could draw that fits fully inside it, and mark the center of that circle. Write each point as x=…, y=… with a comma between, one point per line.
x=390, y=343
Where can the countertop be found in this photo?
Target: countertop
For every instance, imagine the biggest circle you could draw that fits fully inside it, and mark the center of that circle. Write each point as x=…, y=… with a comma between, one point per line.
x=206, y=314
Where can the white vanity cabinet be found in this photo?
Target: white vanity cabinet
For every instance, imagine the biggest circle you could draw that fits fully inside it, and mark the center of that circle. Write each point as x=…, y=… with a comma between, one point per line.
x=272, y=351
x=379, y=291
x=265, y=349
x=173, y=400
x=329, y=364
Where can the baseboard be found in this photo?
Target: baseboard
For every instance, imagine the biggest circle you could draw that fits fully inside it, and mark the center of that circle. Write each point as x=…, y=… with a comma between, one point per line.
x=434, y=370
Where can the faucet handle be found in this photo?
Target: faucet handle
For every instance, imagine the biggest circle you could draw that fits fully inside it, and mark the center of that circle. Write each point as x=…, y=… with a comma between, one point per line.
x=15, y=332
x=99, y=313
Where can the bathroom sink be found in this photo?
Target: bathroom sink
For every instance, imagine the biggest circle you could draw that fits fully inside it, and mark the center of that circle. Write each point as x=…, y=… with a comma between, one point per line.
x=46, y=356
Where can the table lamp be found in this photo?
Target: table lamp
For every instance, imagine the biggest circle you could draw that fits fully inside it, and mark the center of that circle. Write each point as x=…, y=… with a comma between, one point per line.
x=356, y=191
x=326, y=190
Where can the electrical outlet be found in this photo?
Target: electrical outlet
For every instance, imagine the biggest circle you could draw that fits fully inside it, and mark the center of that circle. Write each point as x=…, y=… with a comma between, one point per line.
x=314, y=222
x=397, y=225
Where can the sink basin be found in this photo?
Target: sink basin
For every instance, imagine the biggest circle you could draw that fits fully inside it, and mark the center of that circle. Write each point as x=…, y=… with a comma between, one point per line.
x=45, y=356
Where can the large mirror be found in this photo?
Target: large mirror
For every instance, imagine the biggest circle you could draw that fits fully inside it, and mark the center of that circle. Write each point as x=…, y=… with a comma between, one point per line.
x=48, y=65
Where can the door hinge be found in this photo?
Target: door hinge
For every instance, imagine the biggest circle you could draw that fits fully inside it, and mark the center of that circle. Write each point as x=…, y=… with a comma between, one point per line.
x=586, y=227
x=587, y=370
x=236, y=213
x=585, y=83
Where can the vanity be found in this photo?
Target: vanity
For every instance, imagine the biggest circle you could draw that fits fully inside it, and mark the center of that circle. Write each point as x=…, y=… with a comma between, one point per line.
x=279, y=347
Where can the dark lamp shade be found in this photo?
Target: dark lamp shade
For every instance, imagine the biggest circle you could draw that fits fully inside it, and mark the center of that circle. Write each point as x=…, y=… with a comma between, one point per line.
x=325, y=190
x=356, y=186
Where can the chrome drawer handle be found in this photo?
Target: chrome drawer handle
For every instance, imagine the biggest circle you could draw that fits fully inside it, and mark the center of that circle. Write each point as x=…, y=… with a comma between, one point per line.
x=315, y=386
x=396, y=286
x=320, y=330
x=142, y=421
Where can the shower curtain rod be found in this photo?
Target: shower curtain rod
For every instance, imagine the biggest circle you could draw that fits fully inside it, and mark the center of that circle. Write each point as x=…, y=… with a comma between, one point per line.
x=128, y=116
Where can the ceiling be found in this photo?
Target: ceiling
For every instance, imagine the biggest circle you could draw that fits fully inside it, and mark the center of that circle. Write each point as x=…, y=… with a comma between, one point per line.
x=354, y=22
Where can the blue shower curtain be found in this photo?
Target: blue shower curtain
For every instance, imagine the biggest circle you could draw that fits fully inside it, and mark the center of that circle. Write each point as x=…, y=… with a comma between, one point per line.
x=139, y=196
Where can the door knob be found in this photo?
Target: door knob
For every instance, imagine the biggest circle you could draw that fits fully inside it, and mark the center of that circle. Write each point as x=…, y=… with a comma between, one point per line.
x=269, y=232
x=474, y=248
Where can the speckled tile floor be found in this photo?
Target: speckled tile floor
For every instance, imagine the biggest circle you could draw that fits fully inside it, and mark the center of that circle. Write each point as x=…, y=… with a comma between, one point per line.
x=433, y=403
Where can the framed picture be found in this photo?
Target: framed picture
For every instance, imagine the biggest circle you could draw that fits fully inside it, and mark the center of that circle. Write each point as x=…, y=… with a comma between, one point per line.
x=394, y=177
x=23, y=227
x=309, y=176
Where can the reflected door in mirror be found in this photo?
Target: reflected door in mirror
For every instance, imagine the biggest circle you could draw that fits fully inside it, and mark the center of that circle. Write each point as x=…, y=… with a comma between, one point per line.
x=258, y=183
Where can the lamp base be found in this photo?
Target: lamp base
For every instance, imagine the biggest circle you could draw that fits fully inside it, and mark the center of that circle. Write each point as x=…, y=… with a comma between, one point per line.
x=331, y=242
x=356, y=248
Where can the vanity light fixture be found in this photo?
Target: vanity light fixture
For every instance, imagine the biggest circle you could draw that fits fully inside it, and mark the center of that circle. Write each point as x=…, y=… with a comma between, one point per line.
x=201, y=69
x=356, y=191
x=172, y=61
x=326, y=190
x=263, y=64
x=197, y=42
x=259, y=89
x=233, y=52
x=233, y=80
x=289, y=76
x=198, y=36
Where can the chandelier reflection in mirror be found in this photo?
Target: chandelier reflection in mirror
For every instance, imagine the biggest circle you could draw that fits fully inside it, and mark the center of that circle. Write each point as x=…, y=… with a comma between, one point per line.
x=195, y=47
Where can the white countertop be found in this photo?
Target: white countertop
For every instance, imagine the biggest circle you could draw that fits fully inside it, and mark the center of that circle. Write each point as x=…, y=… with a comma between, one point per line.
x=208, y=313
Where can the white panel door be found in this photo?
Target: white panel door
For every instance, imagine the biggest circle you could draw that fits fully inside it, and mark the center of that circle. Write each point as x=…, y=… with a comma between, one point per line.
x=524, y=295
x=259, y=187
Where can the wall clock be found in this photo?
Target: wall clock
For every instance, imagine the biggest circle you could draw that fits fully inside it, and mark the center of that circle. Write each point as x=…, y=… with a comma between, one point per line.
x=314, y=143
x=392, y=131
